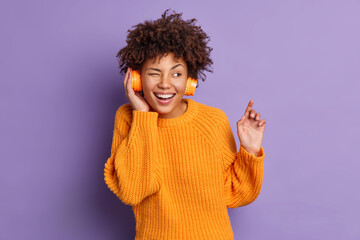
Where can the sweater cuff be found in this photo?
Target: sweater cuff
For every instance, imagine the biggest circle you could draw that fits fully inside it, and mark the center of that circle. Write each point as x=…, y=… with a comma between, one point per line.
x=141, y=119
x=251, y=157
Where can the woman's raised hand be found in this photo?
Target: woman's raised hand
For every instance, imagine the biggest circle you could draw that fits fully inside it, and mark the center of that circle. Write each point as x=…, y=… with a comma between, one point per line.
x=250, y=130
x=137, y=101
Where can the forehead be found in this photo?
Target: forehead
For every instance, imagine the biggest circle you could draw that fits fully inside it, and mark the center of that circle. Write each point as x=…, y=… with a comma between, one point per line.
x=164, y=59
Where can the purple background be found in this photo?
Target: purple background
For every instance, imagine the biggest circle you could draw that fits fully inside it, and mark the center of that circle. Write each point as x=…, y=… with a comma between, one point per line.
x=60, y=88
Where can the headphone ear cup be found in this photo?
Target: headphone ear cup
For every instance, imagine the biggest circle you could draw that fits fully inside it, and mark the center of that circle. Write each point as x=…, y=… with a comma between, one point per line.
x=136, y=81
x=191, y=86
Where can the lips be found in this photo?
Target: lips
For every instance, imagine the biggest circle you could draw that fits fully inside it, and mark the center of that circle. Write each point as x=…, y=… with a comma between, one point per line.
x=164, y=93
x=165, y=100
x=156, y=94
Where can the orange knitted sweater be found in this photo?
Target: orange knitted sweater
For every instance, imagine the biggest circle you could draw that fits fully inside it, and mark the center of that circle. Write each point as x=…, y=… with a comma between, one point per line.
x=181, y=174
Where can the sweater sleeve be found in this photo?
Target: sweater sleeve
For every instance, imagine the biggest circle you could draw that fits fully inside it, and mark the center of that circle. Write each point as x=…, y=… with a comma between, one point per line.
x=132, y=172
x=243, y=172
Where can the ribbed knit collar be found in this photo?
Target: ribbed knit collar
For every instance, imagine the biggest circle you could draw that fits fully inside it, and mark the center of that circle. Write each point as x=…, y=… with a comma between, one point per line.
x=191, y=111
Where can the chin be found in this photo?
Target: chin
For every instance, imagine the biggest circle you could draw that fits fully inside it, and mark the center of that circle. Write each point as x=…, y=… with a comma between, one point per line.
x=165, y=108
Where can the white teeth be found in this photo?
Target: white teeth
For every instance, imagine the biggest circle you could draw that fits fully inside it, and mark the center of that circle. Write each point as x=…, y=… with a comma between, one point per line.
x=165, y=95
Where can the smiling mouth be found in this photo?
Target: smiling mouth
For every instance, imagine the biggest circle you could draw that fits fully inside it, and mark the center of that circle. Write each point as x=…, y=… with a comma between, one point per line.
x=161, y=98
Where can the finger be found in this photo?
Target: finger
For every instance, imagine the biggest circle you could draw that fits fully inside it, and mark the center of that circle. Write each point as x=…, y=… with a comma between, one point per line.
x=241, y=120
x=257, y=116
x=128, y=81
x=252, y=113
x=138, y=94
x=248, y=108
x=262, y=122
x=126, y=77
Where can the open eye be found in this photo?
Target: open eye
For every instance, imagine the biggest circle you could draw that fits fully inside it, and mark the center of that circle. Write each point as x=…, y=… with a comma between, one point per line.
x=179, y=74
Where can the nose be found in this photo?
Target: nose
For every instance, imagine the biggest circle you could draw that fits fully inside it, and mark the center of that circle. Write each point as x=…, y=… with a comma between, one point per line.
x=165, y=82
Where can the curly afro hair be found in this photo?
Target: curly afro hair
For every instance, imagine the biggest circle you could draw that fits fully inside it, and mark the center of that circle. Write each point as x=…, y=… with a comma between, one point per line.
x=167, y=34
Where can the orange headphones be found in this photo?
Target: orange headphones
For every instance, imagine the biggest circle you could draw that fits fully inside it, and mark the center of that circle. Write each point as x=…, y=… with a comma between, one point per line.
x=136, y=83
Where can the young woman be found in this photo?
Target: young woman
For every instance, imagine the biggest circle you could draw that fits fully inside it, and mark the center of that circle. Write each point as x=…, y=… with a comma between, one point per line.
x=173, y=159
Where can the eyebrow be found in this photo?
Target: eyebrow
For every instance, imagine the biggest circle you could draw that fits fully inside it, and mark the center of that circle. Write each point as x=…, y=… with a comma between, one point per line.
x=156, y=69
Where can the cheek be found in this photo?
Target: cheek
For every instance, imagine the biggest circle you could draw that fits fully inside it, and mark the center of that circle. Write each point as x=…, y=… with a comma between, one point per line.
x=180, y=86
x=148, y=84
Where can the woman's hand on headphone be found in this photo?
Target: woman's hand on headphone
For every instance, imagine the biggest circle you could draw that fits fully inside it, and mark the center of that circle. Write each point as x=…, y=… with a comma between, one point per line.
x=137, y=101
